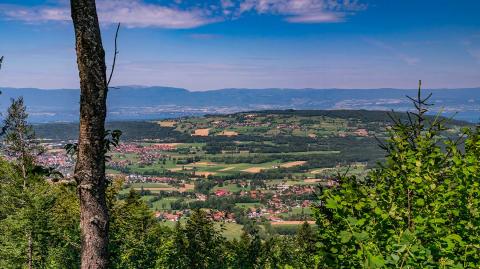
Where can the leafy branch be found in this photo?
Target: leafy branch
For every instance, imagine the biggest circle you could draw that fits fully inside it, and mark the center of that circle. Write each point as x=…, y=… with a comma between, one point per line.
x=111, y=140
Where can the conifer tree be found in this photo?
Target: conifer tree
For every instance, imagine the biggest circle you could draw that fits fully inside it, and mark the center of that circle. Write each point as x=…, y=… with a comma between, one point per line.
x=19, y=143
x=19, y=137
x=30, y=221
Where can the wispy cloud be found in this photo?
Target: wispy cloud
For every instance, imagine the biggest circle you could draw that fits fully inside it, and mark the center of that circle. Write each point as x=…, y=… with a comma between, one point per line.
x=304, y=11
x=177, y=15
x=131, y=13
x=410, y=60
x=32, y=15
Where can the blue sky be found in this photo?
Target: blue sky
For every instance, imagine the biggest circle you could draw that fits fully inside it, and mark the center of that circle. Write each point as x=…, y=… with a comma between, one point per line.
x=201, y=45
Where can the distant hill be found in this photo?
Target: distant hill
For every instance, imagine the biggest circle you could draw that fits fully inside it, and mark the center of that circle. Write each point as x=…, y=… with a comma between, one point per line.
x=144, y=103
x=253, y=125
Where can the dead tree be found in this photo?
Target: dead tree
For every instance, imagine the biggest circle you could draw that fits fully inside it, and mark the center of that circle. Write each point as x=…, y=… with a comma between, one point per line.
x=90, y=166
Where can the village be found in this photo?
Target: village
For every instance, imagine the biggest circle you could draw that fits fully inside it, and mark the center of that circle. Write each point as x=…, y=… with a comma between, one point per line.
x=279, y=201
x=240, y=168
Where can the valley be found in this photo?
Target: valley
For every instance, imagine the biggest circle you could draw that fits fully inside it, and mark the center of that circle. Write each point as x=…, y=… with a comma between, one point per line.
x=263, y=167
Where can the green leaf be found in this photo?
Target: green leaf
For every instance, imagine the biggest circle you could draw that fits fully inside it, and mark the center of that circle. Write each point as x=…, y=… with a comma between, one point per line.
x=360, y=236
x=331, y=204
x=345, y=236
x=376, y=261
x=420, y=202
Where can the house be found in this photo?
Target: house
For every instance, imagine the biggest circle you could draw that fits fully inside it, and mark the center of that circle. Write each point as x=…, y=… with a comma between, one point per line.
x=221, y=193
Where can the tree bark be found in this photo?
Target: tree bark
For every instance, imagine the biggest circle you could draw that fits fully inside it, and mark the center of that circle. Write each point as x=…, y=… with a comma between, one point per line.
x=90, y=166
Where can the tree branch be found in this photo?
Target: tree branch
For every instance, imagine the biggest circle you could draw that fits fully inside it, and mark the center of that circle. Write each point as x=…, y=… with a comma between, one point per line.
x=114, y=56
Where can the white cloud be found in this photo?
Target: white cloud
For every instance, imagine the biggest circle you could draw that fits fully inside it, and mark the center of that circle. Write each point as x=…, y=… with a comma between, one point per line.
x=304, y=11
x=138, y=13
x=131, y=13
x=35, y=15
x=316, y=18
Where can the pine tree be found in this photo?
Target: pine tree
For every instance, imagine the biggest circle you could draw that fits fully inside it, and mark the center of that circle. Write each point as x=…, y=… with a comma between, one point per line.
x=29, y=217
x=198, y=244
x=305, y=242
x=19, y=138
x=19, y=143
x=136, y=238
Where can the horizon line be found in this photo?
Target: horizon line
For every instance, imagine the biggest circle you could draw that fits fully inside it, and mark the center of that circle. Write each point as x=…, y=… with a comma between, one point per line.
x=139, y=87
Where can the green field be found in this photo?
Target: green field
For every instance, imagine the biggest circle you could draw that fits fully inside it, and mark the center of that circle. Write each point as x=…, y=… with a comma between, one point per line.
x=164, y=203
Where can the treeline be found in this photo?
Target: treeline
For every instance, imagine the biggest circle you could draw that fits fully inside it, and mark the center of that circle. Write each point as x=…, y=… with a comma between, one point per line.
x=201, y=245
x=131, y=130
x=140, y=130
x=362, y=115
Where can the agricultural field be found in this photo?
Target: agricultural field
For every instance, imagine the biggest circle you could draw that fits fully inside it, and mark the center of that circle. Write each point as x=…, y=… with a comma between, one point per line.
x=255, y=167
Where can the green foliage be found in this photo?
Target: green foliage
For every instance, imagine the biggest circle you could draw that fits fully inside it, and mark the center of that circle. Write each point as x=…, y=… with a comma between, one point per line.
x=19, y=137
x=35, y=215
x=136, y=238
x=418, y=210
x=198, y=244
x=247, y=251
x=111, y=139
x=39, y=217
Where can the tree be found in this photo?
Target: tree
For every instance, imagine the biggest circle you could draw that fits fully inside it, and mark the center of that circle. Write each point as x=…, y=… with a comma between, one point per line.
x=19, y=138
x=305, y=242
x=248, y=250
x=20, y=144
x=419, y=209
x=90, y=166
x=34, y=231
x=137, y=240
x=198, y=245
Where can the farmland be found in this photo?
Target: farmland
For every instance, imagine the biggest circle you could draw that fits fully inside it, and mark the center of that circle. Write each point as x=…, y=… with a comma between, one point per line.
x=254, y=167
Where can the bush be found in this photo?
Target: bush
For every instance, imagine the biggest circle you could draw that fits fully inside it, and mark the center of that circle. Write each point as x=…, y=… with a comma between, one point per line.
x=419, y=210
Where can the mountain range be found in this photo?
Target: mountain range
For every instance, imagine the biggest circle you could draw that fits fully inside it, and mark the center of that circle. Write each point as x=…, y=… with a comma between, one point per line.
x=146, y=103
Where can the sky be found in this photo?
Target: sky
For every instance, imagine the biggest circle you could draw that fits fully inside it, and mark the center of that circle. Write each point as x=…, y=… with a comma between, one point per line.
x=215, y=44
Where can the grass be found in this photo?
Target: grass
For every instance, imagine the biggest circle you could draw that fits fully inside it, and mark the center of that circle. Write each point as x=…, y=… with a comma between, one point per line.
x=164, y=203
x=307, y=211
x=249, y=205
x=231, y=188
x=147, y=198
x=149, y=185
x=229, y=230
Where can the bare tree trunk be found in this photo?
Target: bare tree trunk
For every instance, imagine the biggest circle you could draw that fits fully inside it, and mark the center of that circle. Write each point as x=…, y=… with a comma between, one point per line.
x=90, y=166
